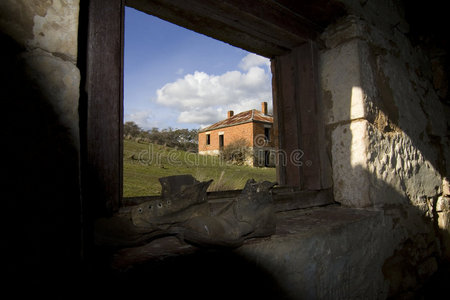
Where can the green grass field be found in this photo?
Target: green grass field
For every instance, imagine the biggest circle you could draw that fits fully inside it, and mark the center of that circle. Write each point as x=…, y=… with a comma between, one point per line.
x=143, y=164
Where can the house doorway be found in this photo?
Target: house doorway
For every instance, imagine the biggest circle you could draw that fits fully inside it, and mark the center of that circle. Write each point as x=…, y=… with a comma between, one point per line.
x=266, y=158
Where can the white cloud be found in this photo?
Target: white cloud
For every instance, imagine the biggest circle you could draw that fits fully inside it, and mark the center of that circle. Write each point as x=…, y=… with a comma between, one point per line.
x=253, y=60
x=201, y=98
x=143, y=119
x=207, y=115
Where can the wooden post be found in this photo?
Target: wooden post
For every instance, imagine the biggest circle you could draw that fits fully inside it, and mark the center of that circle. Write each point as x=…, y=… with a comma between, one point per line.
x=298, y=120
x=104, y=106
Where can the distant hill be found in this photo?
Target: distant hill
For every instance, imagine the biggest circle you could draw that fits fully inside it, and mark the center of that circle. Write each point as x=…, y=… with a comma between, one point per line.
x=183, y=139
x=144, y=163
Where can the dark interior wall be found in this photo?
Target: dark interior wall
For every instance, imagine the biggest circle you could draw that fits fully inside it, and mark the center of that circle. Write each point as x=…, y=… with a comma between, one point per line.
x=429, y=32
x=40, y=172
x=41, y=220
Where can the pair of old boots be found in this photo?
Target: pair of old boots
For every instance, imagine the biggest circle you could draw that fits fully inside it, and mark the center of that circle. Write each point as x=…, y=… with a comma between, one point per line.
x=183, y=211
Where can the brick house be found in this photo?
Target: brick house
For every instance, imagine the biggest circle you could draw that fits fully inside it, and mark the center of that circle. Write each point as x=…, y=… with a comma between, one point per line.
x=253, y=125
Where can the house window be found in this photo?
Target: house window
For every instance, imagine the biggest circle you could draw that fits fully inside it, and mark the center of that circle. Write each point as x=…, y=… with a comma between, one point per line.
x=208, y=139
x=267, y=134
x=221, y=140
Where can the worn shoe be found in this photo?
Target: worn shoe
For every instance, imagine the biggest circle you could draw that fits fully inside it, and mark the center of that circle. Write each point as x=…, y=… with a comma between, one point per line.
x=183, y=198
x=251, y=215
x=119, y=231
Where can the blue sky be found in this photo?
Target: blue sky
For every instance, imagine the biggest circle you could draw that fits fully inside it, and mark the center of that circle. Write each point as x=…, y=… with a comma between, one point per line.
x=178, y=78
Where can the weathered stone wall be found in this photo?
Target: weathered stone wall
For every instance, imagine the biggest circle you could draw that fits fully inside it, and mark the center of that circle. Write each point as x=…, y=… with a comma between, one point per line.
x=326, y=253
x=383, y=117
x=389, y=147
x=40, y=85
x=47, y=31
x=388, y=134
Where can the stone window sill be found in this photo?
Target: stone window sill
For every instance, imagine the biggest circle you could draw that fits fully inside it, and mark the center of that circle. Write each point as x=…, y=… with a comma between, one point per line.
x=293, y=226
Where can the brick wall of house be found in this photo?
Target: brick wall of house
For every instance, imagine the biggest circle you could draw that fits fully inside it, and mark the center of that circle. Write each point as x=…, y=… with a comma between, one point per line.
x=262, y=147
x=258, y=133
x=230, y=134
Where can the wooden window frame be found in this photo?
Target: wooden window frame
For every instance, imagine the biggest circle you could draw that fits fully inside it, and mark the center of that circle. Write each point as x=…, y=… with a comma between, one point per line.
x=274, y=28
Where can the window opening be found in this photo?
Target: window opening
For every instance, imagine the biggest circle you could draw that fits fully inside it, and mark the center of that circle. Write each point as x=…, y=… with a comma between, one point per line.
x=178, y=83
x=221, y=140
x=266, y=158
x=267, y=134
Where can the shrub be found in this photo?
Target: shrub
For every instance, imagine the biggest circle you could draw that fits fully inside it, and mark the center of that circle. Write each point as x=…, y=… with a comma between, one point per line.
x=236, y=152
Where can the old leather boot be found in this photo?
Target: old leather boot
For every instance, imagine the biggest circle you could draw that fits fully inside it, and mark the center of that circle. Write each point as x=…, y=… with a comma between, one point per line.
x=250, y=215
x=183, y=197
x=119, y=231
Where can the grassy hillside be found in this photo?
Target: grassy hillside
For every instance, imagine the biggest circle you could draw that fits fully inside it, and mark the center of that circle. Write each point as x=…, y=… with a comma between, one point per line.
x=143, y=164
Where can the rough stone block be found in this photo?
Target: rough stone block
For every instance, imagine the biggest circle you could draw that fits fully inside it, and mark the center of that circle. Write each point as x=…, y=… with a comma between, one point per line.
x=340, y=74
x=347, y=82
x=372, y=168
x=445, y=186
x=399, y=170
x=326, y=253
x=443, y=204
x=398, y=89
x=16, y=18
x=346, y=29
x=58, y=82
x=48, y=25
x=56, y=31
x=349, y=161
x=384, y=14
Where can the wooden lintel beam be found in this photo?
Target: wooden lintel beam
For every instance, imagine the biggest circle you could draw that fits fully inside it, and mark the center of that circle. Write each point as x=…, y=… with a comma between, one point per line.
x=262, y=27
x=281, y=19
x=200, y=23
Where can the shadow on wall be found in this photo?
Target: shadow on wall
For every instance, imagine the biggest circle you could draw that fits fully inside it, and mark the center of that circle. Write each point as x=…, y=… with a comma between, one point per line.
x=389, y=170
x=407, y=103
x=389, y=135
x=415, y=247
x=397, y=262
x=40, y=168
x=384, y=79
x=42, y=216
x=393, y=258
x=206, y=274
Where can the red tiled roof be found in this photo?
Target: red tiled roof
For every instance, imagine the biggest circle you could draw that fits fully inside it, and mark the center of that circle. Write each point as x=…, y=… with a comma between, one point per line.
x=241, y=118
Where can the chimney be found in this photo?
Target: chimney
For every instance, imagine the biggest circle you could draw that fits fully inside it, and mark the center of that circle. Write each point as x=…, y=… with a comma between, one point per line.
x=264, y=108
x=230, y=113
